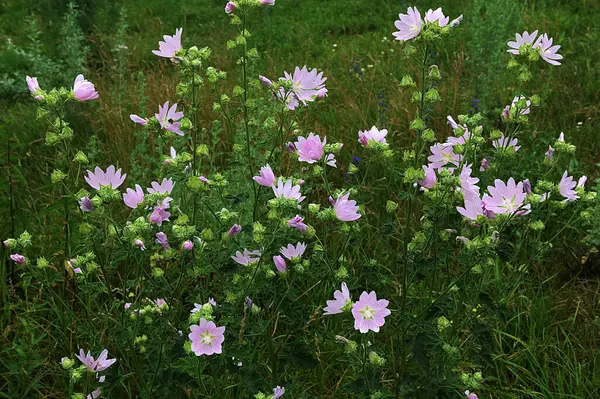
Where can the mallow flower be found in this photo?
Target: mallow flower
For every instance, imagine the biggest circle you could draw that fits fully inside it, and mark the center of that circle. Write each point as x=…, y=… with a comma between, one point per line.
x=277, y=391
x=468, y=184
x=472, y=209
x=34, y=87
x=548, y=52
x=409, y=25
x=206, y=338
x=165, y=187
x=84, y=90
x=266, y=177
x=85, y=204
x=293, y=252
x=161, y=239
x=369, y=312
x=287, y=190
x=280, y=263
x=506, y=198
x=170, y=46
x=234, y=230
x=230, y=7
x=160, y=213
x=297, y=222
x=345, y=209
x=169, y=117
x=504, y=142
x=132, y=198
x=566, y=187
x=310, y=149
x=430, y=177
x=138, y=119
x=246, y=258
x=373, y=135
x=432, y=16
x=442, y=155
x=99, y=178
x=306, y=85
x=342, y=299
x=521, y=39
x=18, y=258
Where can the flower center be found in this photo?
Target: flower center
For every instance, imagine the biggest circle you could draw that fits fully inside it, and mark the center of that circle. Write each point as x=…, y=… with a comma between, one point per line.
x=509, y=203
x=368, y=313
x=206, y=338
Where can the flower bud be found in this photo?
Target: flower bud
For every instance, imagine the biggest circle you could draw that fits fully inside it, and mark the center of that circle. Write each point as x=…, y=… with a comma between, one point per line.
x=67, y=363
x=57, y=176
x=188, y=245
x=9, y=243
x=391, y=206
x=417, y=124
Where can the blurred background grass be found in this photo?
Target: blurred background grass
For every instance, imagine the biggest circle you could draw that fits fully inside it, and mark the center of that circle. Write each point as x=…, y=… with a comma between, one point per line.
x=351, y=41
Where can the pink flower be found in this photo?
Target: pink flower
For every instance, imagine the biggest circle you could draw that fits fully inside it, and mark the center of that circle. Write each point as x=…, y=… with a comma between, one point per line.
x=165, y=187
x=33, y=86
x=345, y=209
x=456, y=21
x=132, y=198
x=561, y=137
x=247, y=257
x=266, y=81
x=160, y=303
x=20, y=259
x=140, y=244
x=409, y=25
x=206, y=338
x=161, y=239
x=549, y=153
x=84, y=90
x=230, y=7
x=267, y=2
x=95, y=393
x=310, y=149
x=287, y=190
x=292, y=252
x=527, y=186
x=525, y=38
x=373, y=135
x=506, y=198
x=169, y=117
x=430, y=177
x=525, y=111
x=188, y=245
x=159, y=214
x=99, y=178
x=138, y=119
x=127, y=305
x=581, y=182
x=442, y=155
x=504, y=142
x=330, y=160
x=297, y=222
x=86, y=359
x=170, y=46
x=278, y=391
x=306, y=86
x=566, y=187
x=234, y=230
x=548, y=52
x=437, y=15
x=484, y=165
x=468, y=183
x=369, y=313
x=280, y=263
x=266, y=177
x=472, y=209
x=470, y=395
x=95, y=365
x=85, y=204
x=342, y=298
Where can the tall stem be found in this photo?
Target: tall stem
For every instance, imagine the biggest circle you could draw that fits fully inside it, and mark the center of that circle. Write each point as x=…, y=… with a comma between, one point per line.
x=194, y=142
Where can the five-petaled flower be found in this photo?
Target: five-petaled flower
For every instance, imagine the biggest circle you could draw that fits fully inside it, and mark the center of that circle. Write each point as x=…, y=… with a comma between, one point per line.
x=84, y=90
x=342, y=299
x=206, y=338
x=98, y=178
x=345, y=209
x=169, y=117
x=170, y=46
x=369, y=312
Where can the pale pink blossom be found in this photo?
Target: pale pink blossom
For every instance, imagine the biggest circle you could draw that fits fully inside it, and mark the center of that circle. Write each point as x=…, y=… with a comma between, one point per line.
x=95, y=365
x=370, y=136
x=246, y=258
x=266, y=177
x=161, y=239
x=345, y=209
x=267, y=2
x=170, y=46
x=521, y=39
x=84, y=90
x=85, y=204
x=160, y=213
x=443, y=155
x=266, y=81
x=470, y=395
x=567, y=186
x=99, y=178
x=230, y=7
x=169, y=117
x=34, y=87
x=581, y=182
x=206, y=338
x=310, y=149
x=430, y=177
x=468, y=183
x=138, y=119
x=293, y=252
x=277, y=391
x=549, y=153
x=409, y=25
x=188, y=245
x=95, y=393
x=432, y=16
x=287, y=190
x=506, y=198
x=504, y=142
x=132, y=198
x=330, y=160
x=484, y=165
x=280, y=263
x=548, y=52
x=342, y=298
x=297, y=222
x=165, y=187
x=234, y=230
x=20, y=259
x=472, y=209
x=306, y=86
x=140, y=244
x=369, y=312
